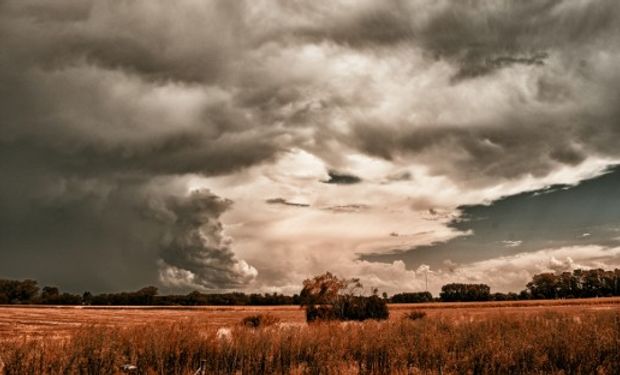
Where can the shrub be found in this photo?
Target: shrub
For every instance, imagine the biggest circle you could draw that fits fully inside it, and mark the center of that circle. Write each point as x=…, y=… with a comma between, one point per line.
x=361, y=308
x=415, y=315
x=314, y=313
x=350, y=308
x=418, y=297
x=259, y=320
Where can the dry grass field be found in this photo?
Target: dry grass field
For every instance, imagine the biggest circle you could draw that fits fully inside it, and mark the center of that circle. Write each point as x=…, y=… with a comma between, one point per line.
x=561, y=337
x=37, y=321
x=61, y=321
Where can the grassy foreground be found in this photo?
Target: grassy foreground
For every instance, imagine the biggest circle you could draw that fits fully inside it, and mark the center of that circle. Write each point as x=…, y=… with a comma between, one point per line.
x=546, y=342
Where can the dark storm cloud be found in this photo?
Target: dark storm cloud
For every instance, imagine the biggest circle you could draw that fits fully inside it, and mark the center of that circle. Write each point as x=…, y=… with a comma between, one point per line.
x=90, y=71
x=384, y=23
x=195, y=252
x=282, y=201
x=586, y=214
x=531, y=138
x=483, y=149
x=128, y=36
x=487, y=65
x=560, y=41
x=107, y=105
x=103, y=111
x=87, y=233
x=479, y=36
x=342, y=178
x=490, y=35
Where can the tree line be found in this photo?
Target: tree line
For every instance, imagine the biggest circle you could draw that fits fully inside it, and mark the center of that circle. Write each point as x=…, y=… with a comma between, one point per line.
x=576, y=284
x=28, y=292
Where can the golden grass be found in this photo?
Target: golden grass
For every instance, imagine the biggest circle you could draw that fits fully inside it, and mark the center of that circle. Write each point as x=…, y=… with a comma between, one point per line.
x=582, y=302
x=532, y=342
x=46, y=321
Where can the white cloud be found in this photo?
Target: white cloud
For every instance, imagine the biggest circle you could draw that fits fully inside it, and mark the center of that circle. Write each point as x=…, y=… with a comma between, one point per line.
x=512, y=273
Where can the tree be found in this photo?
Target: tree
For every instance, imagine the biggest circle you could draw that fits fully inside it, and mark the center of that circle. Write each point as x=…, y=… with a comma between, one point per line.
x=14, y=291
x=578, y=284
x=87, y=298
x=319, y=296
x=544, y=286
x=465, y=292
x=49, y=294
x=144, y=296
x=417, y=297
x=327, y=297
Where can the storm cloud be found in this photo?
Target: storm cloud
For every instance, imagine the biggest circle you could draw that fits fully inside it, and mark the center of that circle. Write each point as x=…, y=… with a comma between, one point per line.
x=340, y=178
x=195, y=253
x=128, y=128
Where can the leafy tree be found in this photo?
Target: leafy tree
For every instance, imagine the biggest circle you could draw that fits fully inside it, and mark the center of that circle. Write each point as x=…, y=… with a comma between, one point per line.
x=417, y=297
x=14, y=291
x=578, y=284
x=144, y=296
x=544, y=285
x=87, y=298
x=465, y=292
x=49, y=292
x=327, y=297
x=50, y=295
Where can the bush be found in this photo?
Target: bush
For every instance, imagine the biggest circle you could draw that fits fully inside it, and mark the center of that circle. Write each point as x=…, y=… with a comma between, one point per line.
x=415, y=315
x=350, y=308
x=418, y=297
x=259, y=320
x=362, y=308
x=314, y=313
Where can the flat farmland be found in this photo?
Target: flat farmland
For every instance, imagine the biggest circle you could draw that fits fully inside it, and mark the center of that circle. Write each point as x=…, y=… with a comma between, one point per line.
x=60, y=321
x=524, y=337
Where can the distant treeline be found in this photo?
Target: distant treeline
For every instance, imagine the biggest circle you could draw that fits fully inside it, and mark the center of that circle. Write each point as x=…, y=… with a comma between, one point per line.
x=576, y=284
x=28, y=292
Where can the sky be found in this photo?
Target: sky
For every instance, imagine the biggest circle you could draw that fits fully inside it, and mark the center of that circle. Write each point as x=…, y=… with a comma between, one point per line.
x=249, y=145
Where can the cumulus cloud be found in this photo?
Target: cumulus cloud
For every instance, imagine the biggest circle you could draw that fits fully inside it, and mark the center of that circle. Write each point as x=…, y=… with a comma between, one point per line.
x=194, y=251
x=512, y=273
x=556, y=216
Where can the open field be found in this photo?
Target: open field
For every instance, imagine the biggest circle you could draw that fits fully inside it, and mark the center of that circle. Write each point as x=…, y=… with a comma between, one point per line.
x=16, y=321
x=555, y=337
